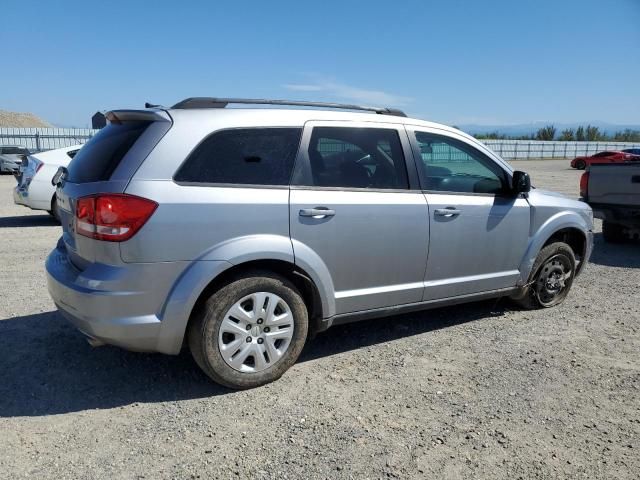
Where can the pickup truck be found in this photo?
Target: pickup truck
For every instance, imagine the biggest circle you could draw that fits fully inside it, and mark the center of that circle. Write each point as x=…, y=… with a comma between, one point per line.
x=613, y=191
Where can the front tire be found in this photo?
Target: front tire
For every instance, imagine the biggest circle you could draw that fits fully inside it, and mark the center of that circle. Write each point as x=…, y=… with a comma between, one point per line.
x=581, y=164
x=551, y=278
x=250, y=331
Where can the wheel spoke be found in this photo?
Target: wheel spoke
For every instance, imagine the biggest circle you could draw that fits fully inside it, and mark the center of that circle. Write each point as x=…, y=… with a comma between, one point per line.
x=232, y=346
x=273, y=353
x=240, y=313
x=281, y=333
x=274, y=300
x=229, y=326
x=237, y=362
x=258, y=357
x=279, y=320
x=258, y=304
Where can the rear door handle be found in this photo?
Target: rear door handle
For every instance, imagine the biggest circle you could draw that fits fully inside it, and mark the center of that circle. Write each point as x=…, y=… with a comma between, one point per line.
x=318, y=212
x=447, y=212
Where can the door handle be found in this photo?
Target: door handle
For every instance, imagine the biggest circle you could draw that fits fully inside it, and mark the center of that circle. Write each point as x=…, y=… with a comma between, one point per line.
x=447, y=212
x=318, y=212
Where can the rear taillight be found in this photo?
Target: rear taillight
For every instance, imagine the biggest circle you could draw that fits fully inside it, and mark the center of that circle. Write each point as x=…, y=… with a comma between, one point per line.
x=584, y=184
x=39, y=166
x=112, y=217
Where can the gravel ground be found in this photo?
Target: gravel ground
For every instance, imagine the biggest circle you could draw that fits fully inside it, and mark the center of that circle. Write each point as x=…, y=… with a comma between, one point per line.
x=474, y=391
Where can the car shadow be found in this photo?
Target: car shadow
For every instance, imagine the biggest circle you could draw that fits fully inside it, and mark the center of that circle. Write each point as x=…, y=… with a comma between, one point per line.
x=625, y=255
x=48, y=368
x=28, y=221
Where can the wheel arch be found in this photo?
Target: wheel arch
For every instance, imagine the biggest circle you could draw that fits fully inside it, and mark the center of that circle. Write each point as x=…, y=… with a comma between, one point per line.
x=297, y=276
x=568, y=227
x=202, y=277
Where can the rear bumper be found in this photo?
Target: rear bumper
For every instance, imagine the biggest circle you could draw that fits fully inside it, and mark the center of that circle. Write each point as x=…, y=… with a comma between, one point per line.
x=110, y=303
x=617, y=214
x=21, y=196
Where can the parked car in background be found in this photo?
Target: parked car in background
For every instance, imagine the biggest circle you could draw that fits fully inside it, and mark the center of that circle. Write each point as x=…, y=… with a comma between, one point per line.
x=633, y=151
x=613, y=191
x=241, y=231
x=34, y=189
x=603, y=157
x=11, y=157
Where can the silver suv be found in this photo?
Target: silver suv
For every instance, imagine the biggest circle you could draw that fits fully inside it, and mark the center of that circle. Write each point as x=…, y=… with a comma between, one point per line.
x=243, y=231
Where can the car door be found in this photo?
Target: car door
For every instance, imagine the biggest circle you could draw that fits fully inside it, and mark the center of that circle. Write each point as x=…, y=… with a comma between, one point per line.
x=355, y=208
x=479, y=230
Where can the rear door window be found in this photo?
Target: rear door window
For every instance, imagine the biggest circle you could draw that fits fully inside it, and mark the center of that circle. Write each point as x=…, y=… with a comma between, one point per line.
x=243, y=156
x=99, y=157
x=349, y=157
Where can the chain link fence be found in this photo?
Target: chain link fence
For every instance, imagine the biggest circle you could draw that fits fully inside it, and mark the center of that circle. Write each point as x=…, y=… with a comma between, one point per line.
x=40, y=139
x=527, y=149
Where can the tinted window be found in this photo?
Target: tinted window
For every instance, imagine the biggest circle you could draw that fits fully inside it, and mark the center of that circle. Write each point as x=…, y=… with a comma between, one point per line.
x=355, y=158
x=100, y=156
x=258, y=156
x=450, y=165
x=72, y=153
x=604, y=154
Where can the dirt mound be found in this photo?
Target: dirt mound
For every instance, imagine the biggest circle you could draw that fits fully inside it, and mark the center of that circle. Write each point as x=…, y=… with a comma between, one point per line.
x=18, y=119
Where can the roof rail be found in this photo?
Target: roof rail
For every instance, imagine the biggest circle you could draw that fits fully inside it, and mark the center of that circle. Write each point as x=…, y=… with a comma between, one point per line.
x=212, y=102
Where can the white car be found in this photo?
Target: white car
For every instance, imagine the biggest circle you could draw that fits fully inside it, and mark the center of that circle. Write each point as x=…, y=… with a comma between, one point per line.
x=34, y=189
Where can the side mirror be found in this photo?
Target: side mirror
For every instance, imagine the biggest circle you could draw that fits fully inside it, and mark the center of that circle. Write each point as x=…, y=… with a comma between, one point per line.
x=521, y=182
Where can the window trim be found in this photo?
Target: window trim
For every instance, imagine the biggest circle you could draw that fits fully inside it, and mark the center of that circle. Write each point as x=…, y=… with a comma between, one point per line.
x=301, y=168
x=239, y=185
x=411, y=132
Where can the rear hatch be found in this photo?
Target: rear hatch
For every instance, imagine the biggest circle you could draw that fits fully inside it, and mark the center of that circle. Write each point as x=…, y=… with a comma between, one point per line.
x=105, y=165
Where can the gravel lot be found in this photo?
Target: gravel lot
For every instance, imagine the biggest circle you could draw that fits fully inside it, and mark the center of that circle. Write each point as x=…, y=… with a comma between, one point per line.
x=475, y=391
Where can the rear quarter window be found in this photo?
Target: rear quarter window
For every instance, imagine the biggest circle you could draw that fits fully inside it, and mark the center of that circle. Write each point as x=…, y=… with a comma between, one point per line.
x=245, y=156
x=101, y=155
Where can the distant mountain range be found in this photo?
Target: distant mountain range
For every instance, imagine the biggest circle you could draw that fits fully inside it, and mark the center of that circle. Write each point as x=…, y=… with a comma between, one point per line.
x=532, y=128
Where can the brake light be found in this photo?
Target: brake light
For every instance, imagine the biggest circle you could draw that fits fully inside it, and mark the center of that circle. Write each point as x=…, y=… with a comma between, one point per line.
x=40, y=165
x=584, y=184
x=112, y=217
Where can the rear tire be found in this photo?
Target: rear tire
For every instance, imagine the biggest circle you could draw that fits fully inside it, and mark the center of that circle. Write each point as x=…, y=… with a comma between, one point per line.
x=550, y=279
x=581, y=164
x=241, y=344
x=613, y=232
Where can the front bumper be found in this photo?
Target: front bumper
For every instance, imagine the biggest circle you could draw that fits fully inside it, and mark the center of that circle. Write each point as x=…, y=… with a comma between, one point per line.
x=110, y=303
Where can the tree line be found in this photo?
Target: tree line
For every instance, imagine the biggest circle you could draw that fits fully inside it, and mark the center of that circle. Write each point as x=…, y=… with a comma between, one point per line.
x=589, y=133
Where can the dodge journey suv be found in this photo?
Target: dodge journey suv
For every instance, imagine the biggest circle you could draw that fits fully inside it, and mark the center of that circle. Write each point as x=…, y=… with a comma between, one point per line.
x=241, y=232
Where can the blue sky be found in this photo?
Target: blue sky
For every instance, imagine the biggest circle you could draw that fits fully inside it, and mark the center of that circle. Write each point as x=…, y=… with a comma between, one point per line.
x=456, y=62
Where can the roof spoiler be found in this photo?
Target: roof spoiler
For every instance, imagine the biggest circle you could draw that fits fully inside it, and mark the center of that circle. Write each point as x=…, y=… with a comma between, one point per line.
x=119, y=116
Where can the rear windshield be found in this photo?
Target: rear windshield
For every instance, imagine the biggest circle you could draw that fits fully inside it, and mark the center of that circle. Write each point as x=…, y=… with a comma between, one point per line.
x=100, y=156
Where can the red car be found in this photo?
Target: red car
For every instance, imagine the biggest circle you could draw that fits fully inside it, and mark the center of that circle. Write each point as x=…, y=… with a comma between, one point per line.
x=603, y=157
